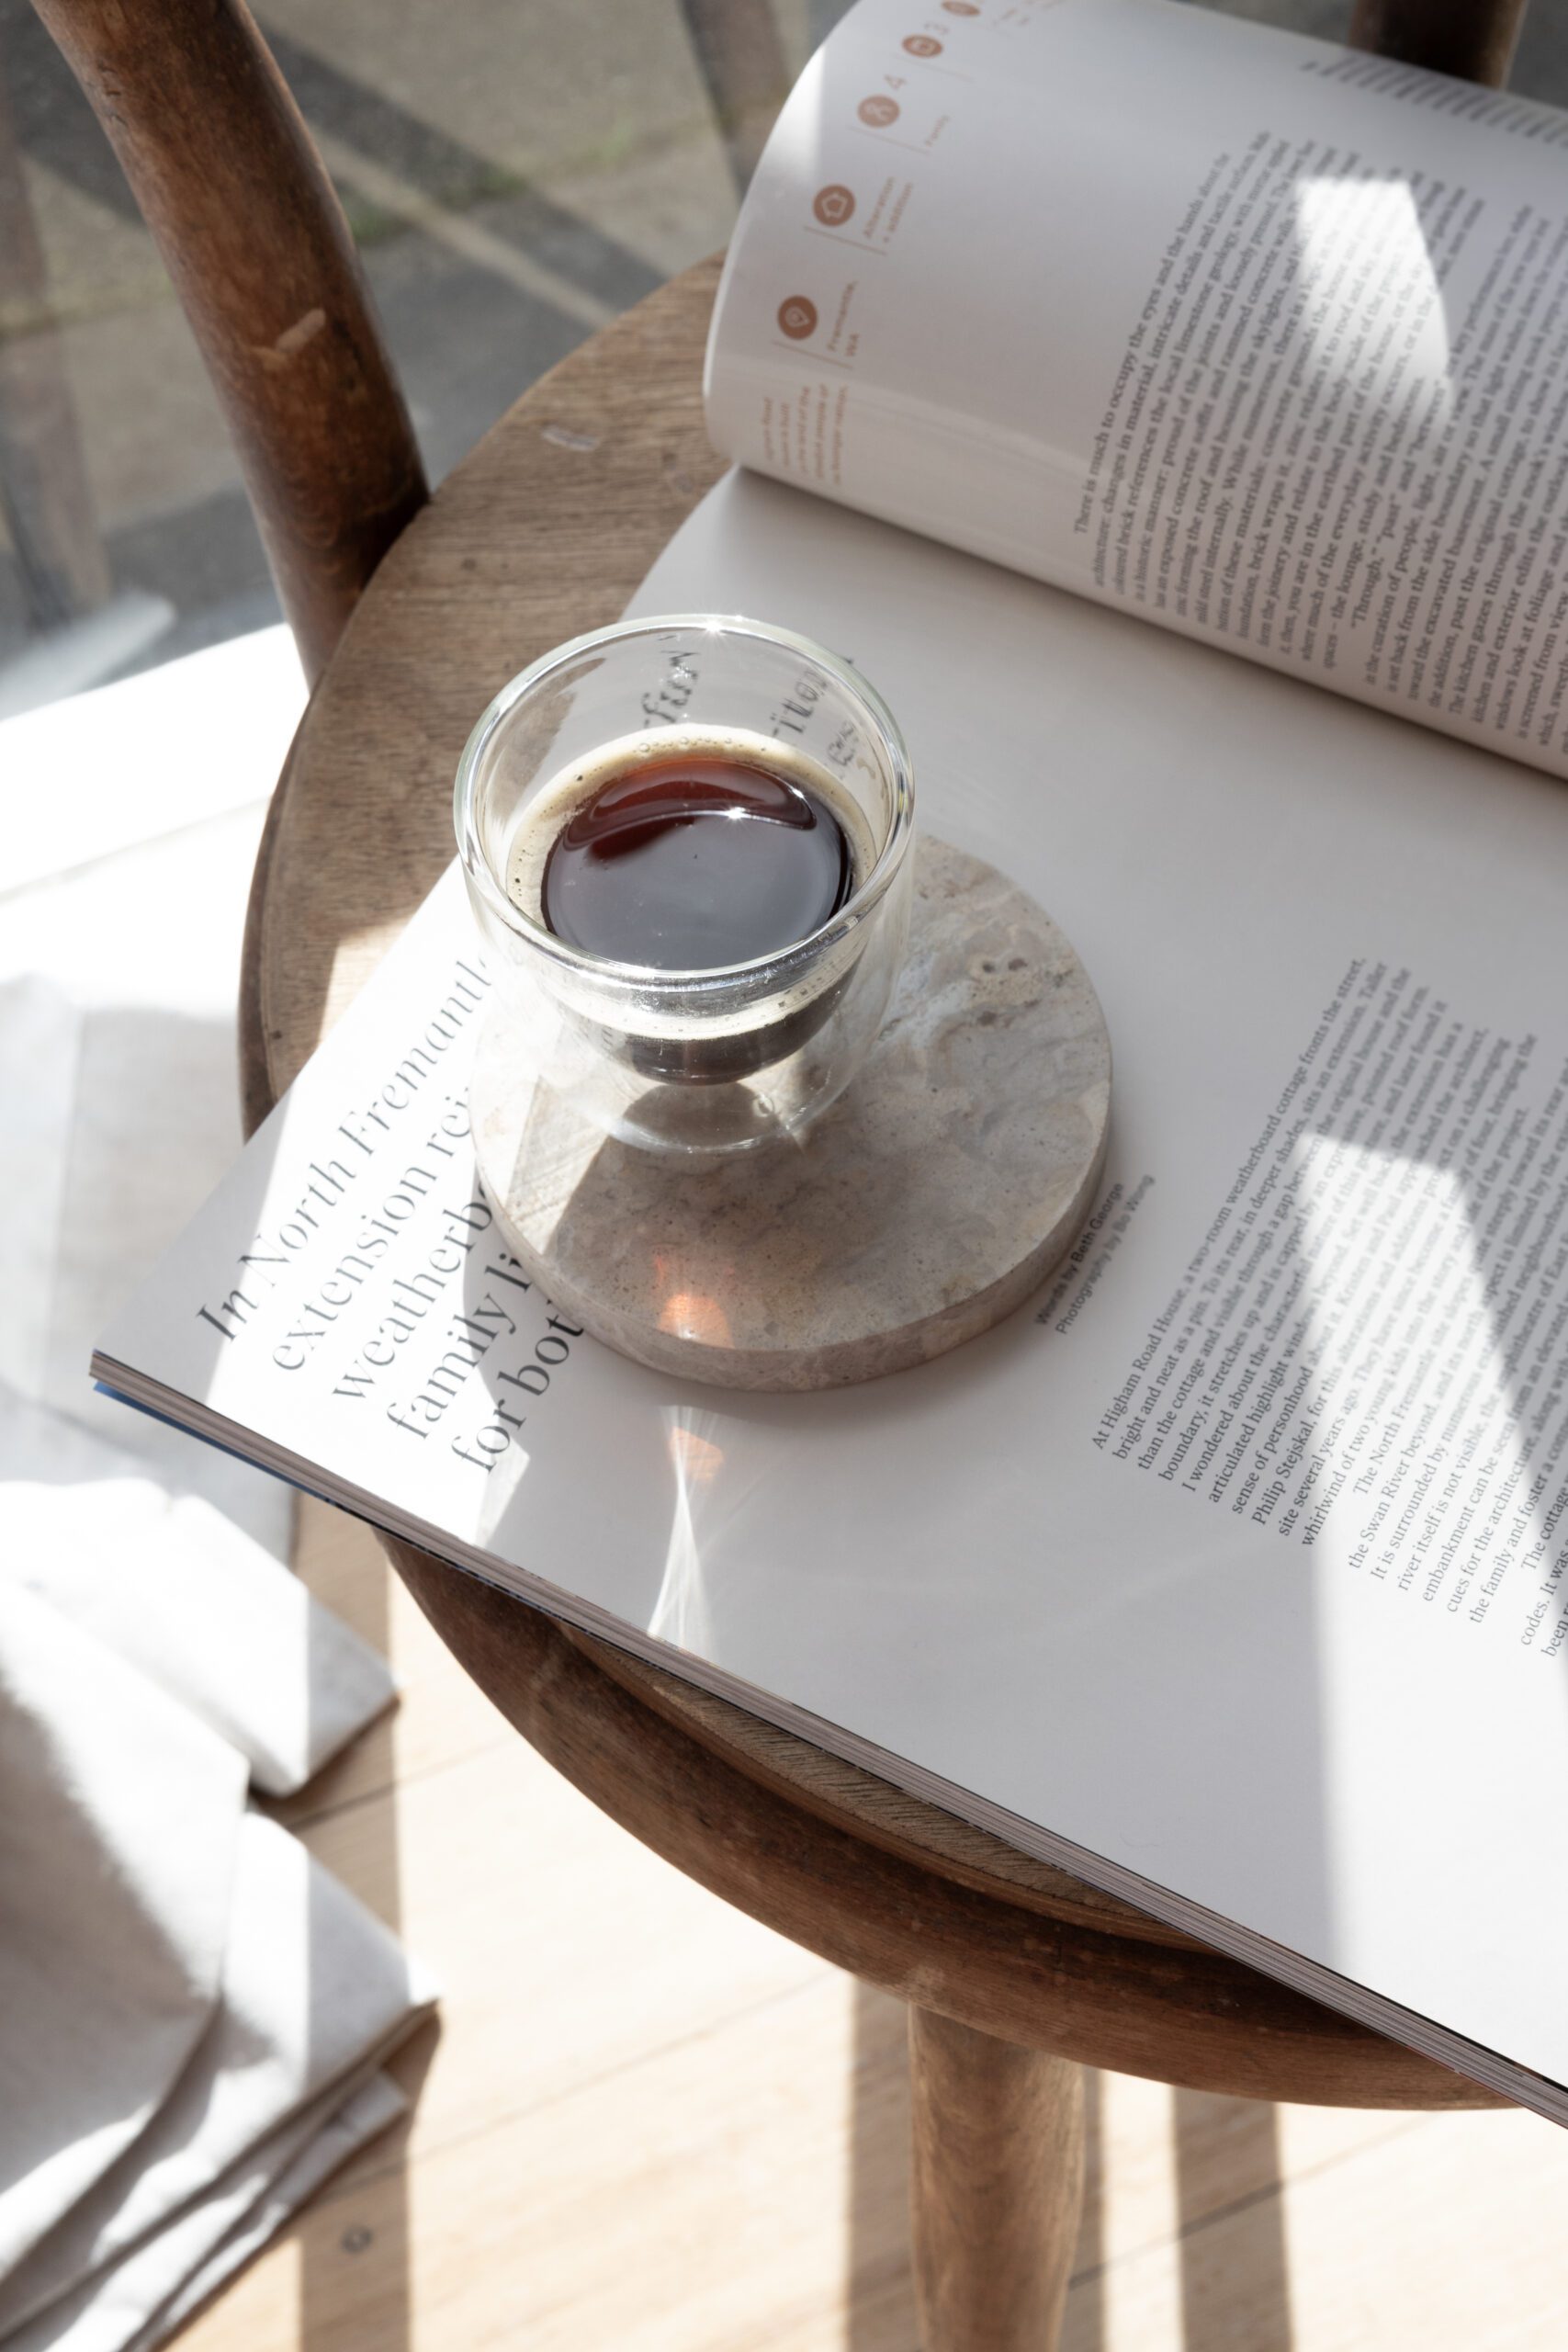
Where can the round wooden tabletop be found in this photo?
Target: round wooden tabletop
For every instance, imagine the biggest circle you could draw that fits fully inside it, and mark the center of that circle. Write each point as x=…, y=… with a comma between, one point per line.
x=546, y=530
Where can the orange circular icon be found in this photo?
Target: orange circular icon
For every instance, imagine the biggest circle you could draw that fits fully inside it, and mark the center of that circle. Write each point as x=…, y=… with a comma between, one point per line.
x=834, y=206
x=797, y=316
x=879, y=112
x=922, y=45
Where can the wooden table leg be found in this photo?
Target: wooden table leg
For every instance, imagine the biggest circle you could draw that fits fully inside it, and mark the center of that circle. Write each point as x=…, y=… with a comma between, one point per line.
x=997, y=2187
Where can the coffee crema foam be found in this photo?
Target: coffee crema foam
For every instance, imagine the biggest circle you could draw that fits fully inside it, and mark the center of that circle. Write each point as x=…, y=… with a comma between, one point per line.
x=541, y=824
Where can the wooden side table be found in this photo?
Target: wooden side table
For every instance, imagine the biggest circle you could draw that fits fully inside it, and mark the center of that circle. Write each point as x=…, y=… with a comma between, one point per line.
x=1016, y=1974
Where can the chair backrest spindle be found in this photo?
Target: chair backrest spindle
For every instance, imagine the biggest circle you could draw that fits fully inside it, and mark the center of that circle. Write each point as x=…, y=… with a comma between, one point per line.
x=249, y=227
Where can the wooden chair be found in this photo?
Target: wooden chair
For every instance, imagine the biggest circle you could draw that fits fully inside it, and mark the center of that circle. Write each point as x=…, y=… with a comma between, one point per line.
x=410, y=613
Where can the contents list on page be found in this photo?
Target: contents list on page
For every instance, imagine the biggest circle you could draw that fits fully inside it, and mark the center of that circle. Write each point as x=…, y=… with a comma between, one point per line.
x=883, y=143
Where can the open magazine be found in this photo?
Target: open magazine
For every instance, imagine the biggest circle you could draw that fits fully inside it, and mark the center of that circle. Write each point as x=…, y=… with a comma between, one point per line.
x=1263, y=340
x=1230, y=1573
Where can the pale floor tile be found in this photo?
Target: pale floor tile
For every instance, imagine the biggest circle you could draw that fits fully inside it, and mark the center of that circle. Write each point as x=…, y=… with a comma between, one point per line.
x=96, y=258
x=669, y=206
x=132, y=962
x=40, y=1045
x=1139, y=2224
x=650, y=2124
x=155, y=925
x=152, y=427
x=488, y=1868
x=155, y=1125
x=74, y=658
x=124, y=764
x=531, y=90
x=443, y=1719
x=131, y=821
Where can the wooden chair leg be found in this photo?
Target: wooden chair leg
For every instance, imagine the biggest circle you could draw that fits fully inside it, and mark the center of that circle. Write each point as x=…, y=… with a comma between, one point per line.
x=997, y=2187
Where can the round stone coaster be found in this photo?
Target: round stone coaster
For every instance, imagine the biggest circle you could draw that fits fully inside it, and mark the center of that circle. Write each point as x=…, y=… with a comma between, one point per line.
x=925, y=1204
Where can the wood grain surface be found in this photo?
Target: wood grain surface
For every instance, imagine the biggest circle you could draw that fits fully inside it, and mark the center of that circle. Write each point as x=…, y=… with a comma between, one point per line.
x=546, y=530
x=996, y=2162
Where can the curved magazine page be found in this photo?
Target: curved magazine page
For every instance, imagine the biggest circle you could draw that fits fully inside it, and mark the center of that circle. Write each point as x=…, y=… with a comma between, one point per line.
x=1258, y=338
x=1230, y=1572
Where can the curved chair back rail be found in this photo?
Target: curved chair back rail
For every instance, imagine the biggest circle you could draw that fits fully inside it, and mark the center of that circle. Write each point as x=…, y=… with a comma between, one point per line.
x=254, y=239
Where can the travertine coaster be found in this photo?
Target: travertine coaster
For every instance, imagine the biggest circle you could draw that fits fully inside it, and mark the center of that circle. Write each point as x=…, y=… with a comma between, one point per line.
x=923, y=1206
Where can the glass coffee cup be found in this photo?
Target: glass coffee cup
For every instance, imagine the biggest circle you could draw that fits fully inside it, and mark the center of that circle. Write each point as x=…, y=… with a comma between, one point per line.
x=686, y=844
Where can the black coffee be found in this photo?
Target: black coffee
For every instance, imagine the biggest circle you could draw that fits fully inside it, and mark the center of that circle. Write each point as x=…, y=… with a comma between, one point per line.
x=695, y=861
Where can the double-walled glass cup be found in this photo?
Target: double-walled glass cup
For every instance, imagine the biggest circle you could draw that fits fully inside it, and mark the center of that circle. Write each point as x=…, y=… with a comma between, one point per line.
x=709, y=1060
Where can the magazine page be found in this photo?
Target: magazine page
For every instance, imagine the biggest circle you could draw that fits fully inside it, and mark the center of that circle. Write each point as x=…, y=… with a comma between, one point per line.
x=1231, y=1571
x=1261, y=339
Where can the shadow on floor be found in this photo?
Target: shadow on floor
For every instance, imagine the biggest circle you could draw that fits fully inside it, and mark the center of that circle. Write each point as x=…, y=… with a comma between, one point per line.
x=362, y=2269
x=1236, y=2286
x=879, y=2297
